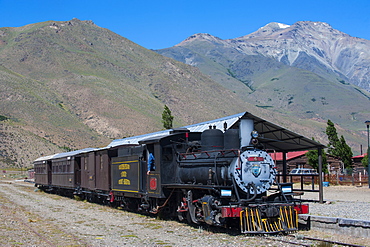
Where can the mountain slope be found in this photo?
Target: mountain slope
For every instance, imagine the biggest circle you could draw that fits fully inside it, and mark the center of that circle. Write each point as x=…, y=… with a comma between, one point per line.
x=74, y=85
x=313, y=46
x=78, y=85
x=290, y=70
x=327, y=49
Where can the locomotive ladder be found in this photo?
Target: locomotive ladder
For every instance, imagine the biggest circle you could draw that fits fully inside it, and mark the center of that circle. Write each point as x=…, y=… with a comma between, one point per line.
x=252, y=222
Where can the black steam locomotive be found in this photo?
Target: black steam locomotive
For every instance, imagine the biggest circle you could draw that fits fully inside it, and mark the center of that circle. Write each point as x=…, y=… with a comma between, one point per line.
x=214, y=177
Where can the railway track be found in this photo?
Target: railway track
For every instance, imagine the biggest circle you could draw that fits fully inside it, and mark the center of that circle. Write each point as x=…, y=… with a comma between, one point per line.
x=41, y=239
x=301, y=240
x=37, y=229
x=45, y=220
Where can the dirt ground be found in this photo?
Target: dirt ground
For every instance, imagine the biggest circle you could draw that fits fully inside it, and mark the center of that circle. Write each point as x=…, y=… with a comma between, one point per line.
x=34, y=218
x=342, y=193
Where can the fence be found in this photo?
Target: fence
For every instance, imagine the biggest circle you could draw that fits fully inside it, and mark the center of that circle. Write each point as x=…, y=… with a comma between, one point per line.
x=302, y=182
x=357, y=179
x=310, y=182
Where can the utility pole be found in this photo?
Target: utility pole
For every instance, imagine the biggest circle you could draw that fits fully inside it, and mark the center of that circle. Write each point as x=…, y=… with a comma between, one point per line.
x=368, y=152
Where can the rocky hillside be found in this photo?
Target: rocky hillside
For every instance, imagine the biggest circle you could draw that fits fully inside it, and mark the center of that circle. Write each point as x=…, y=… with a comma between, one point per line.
x=309, y=72
x=74, y=85
x=313, y=46
x=71, y=85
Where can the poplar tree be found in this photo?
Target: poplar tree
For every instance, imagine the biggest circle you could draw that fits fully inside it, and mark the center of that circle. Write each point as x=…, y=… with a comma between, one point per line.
x=338, y=147
x=345, y=153
x=332, y=134
x=167, y=118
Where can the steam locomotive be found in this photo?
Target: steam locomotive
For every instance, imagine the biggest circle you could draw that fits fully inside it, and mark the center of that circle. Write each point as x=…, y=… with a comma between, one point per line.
x=214, y=177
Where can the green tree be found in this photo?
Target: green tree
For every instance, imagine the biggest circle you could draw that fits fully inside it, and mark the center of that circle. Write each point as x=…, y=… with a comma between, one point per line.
x=345, y=153
x=338, y=147
x=167, y=118
x=332, y=134
x=313, y=159
x=364, y=161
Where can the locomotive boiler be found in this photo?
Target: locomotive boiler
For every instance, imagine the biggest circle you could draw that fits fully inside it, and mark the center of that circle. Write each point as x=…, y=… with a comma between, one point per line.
x=229, y=157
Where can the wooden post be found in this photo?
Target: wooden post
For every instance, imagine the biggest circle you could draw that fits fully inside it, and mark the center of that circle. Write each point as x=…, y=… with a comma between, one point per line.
x=284, y=167
x=337, y=178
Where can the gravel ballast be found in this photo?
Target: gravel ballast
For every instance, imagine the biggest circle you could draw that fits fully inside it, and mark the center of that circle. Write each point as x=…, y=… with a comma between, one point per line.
x=342, y=202
x=34, y=218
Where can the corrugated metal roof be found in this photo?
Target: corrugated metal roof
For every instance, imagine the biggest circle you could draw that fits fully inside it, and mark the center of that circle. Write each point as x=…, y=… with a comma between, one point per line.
x=272, y=136
x=199, y=127
x=289, y=155
x=280, y=139
x=218, y=123
x=136, y=139
x=359, y=156
x=67, y=154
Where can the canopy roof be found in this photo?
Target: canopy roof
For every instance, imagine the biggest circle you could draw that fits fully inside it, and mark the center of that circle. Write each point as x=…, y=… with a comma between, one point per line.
x=272, y=136
x=280, y=139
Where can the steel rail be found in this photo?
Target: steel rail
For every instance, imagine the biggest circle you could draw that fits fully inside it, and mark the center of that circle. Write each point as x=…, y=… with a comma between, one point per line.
x=32, y=228
x=330, y=241
x=21, y=221
x=309, y=238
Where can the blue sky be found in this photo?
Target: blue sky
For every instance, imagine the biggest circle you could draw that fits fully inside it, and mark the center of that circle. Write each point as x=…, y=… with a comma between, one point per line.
x=160, y=24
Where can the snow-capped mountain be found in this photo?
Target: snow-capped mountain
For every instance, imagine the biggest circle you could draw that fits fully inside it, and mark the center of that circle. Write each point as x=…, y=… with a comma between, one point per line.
x=314, y=46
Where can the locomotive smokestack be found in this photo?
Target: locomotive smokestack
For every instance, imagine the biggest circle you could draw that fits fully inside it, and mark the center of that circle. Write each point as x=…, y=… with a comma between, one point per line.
x=246, y=127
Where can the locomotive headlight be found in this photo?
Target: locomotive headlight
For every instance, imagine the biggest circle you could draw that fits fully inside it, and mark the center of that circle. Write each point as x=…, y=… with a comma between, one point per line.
x=254, y=134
